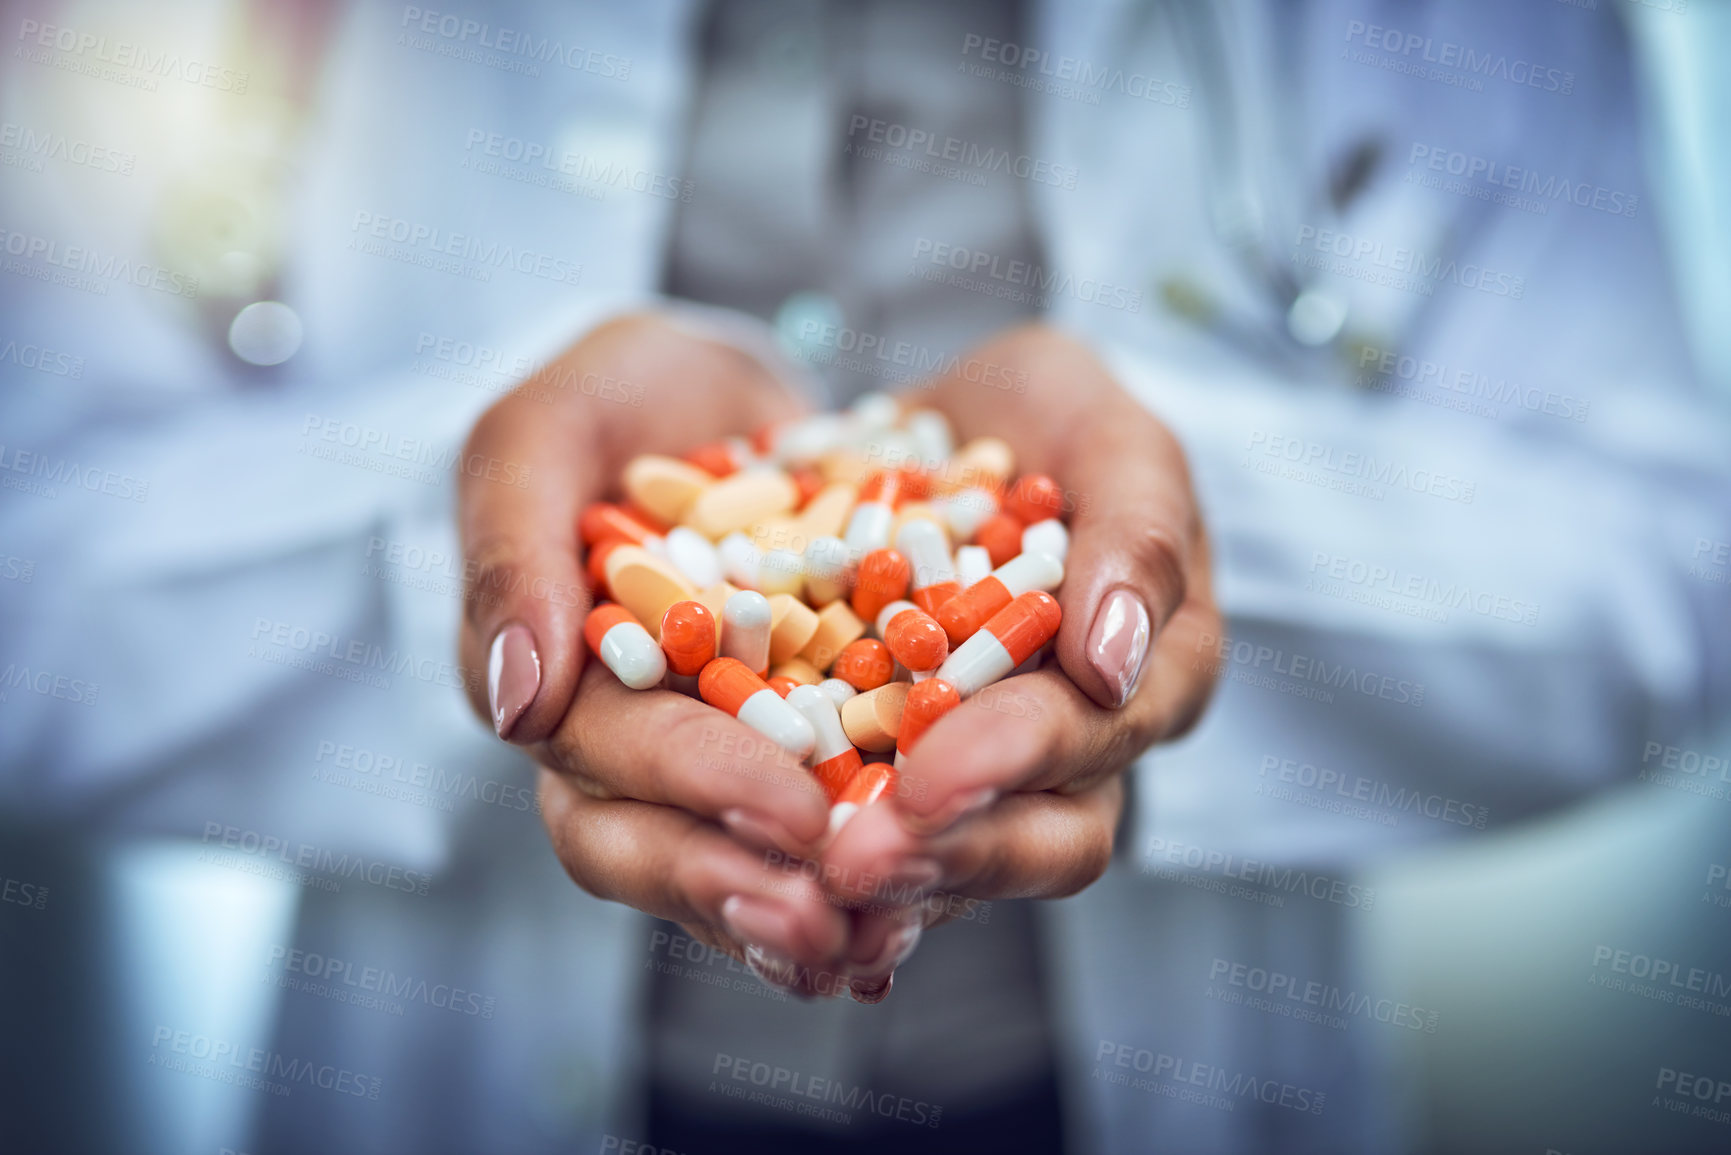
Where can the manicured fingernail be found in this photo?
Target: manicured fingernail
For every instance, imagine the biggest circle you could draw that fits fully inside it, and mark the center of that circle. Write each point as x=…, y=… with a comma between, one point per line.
x=1118, y=645
x=898, y=946
x=771, y=970
x=755, y=922
x=513, y=676
x=872, y=993
x=760, y=831
x=951, y=813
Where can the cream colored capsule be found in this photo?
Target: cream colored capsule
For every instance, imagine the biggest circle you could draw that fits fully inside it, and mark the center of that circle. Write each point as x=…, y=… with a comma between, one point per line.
x=825, y=514
x=982, y=462
x=714, y=599
x=791, y=625
x=744, y=499
x=664, y=487
x=873, y=719
x=799, y=670
x=646, y=585
x=837, y=625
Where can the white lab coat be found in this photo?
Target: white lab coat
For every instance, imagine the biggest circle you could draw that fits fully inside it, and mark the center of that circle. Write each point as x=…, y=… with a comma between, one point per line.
x=170, y=605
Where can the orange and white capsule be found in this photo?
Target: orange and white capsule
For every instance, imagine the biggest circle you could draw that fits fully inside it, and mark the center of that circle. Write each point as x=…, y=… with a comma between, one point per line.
x=624, y=646
x=729, y=686
x=869, y=784
x=868, y=527
x=1011, y=637
x=927, y=702
x=974, y=563
x=688, y=635
x=917, y=641
x=933, y=580
x=723, y=458
x=603, y=520
x=834, y=760
x=883, y=577
x=865, y=664
x=837, y=691
x=745, y=622
x=965, y=613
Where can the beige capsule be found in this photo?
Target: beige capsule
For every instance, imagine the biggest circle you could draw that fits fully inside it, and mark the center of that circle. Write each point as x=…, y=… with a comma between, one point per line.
x=873, y=719
x=837, y=625
x=736, y=502
x=714, y=599
x=825, y=515
x=799, y=670
x=984, y=462
x=791, y=625
x=664, y=487
x=646, y=585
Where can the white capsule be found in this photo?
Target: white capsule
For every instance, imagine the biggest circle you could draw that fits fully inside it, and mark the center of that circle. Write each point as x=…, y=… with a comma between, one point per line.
x=740, y=559
x=634, y=657
x=966, y=511
x=745, y=621
x=928, y=554
x=837, y=690
x=930, y=432
x=874, y=411
x=693, y=556
x=976, y=664
x=1047, y=536
x=1030, y=571
x=809, y=438
x=766, y=713
x=868, y=527
x=973, y=562
x=827, y=572
x=821, y=711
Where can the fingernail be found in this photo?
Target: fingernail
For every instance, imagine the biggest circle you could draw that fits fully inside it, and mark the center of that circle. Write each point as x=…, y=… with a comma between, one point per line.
x=771, y=970
x=898, y=947
x=958, y=808
x=513, y=676
x=1118, y=645
x=872, y=993
x=759, y=924
x=761, y=831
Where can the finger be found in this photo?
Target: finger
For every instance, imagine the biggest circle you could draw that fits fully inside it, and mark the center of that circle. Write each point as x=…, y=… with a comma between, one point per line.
x=1132, y=559
x=675, y=866
x=525, y=597
x=662, y=747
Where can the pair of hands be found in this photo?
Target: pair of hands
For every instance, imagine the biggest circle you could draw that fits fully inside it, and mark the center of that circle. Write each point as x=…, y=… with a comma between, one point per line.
x=666, y=804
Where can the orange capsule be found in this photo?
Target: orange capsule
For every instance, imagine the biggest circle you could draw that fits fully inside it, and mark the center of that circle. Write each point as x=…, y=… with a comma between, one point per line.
x=655, y=524
x=781, y=684
x=624, y=646
x=1034, y=498
x=1001, y=534
x=932, y=597
x=1012, y=636
x=870, y=783
x=603, y=520
x=730, y=686
x=883, y=577
x=927, y=702
x=965, y=613
x=809, y=482
x=917, y=641
x=916, y=483
x=688, y=636
x=719, y=458
x=864, y=664
x=597, y=564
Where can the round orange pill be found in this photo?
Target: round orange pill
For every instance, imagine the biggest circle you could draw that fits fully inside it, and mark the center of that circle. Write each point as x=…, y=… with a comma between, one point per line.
x=864, y=664
x=688, y=637
x=883, y=577
x=916, y=640
x=1001, y=534
x=1035, y=498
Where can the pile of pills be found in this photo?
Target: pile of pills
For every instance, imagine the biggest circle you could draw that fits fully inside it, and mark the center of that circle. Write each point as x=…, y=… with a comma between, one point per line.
x=837, y=583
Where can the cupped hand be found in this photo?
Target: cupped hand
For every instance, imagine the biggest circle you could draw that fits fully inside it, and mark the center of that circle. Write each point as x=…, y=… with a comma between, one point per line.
x=1017, y=792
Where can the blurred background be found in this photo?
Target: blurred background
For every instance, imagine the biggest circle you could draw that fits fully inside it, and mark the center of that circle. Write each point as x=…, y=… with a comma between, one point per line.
x=1449, y=862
